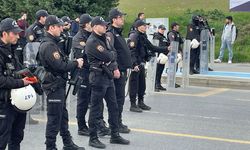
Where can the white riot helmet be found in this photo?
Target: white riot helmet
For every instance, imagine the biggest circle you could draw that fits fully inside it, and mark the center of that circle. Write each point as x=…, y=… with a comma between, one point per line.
x=23, y=99
x=194, y=44
x=162, y=59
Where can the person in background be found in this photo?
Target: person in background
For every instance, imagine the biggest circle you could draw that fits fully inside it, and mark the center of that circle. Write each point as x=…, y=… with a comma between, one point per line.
x=75, y=26
x=23, y=24
x=140, y=16
x=227, y=40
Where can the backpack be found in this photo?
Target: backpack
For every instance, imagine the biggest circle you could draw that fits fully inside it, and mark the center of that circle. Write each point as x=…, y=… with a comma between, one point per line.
x=237, y=31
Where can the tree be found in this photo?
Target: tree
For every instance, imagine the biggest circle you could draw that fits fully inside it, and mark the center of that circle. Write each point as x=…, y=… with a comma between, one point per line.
x=71, y=8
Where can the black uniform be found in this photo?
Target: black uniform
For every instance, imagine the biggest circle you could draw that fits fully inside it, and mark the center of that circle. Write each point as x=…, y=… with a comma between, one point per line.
x=102, y=64
x=83, y=95
x=160, y=67
x=65, y=43
x=141, y=50
x=193, y=32
x=12, y=122
x=53, y=59
x=35, y=32
x=124, y=62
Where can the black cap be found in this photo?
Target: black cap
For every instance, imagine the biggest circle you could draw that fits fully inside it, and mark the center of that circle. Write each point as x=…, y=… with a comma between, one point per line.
x=53, y=20
x=66, y=19
x=85, y=18
x=9, y=25
x=139, y=23
x=98, y=21
x=162, y=27
x=174, y=24
x=229, y=18
x=41, y=13
x=114, y=13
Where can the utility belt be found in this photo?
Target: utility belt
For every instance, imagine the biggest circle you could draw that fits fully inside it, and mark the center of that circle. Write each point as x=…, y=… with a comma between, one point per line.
x=52, y=83
x=102, y=69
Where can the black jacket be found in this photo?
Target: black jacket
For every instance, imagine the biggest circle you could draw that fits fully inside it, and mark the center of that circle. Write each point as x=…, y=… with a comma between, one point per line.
x=119, y=44
x=193, y=32
x=65, y=42
x=9, y=64
x=99, y=52
x=54, y=60
x=78, y=46
x=141, y=48
x=35, y=32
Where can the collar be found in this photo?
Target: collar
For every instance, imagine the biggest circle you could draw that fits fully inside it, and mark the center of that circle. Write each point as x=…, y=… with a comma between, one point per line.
x=117, y=30
x=49, y=37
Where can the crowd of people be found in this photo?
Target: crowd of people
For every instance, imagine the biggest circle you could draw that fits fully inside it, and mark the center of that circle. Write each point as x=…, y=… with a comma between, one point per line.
x=102, y=57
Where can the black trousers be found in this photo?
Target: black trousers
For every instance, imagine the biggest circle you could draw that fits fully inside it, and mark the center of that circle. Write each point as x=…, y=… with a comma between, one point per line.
x=102, y=87
x=159, y=71
x=57, y=118
x=12, y=124
x=195, y=59
x=83, y=99
x=120, y=93
x=137, y=85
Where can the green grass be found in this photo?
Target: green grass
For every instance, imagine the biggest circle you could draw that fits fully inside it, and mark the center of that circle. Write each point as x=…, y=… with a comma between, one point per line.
x=177, y=10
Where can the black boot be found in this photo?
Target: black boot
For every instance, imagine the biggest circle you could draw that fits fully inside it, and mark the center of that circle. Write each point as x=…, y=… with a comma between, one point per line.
x=94, y=142
x=72, y=146
x=117, y=139
x=143, y=106
x=177, y=85
x=123, y=128
x=50, y=148
x=84, y=131
x=103, y=130
x=160, y=87
x=135, y=108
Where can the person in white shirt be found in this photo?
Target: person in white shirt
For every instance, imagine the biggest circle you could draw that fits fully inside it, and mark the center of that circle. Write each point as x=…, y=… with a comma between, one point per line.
x=228, y=38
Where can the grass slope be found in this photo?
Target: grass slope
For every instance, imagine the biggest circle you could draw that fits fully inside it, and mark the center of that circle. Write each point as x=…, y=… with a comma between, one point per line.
x=176, y=10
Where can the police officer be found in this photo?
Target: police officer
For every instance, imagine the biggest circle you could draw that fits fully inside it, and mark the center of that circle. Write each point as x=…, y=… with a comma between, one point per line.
x=174, y=35
x=160, y=67
x=140, y=16
x=35, y=32
x=54, y=85
x=103, y=69
x=83, y=95
x=12, y=122
x=141, y=51
x=193, y=32
x=66, y=40
x=117, y=42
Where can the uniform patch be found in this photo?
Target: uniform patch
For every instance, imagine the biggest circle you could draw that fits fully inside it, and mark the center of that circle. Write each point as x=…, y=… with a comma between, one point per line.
x=56, y=55
x=132, y=44
x=82, y=43
x=173, y=36
x=100, y=48
x=31, y=37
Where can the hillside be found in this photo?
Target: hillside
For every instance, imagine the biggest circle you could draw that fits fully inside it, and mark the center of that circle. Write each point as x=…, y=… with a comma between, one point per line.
x=181, y=12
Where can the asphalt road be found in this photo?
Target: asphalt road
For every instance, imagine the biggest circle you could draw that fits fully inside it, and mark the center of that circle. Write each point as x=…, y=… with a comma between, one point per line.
x=181, y=119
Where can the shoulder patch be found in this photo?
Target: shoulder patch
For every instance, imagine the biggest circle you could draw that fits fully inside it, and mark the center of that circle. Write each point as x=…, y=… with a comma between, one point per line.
x=56, y=55
x=100, y=48
x=132, y=44
x=82, y=43
x=31, y=37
